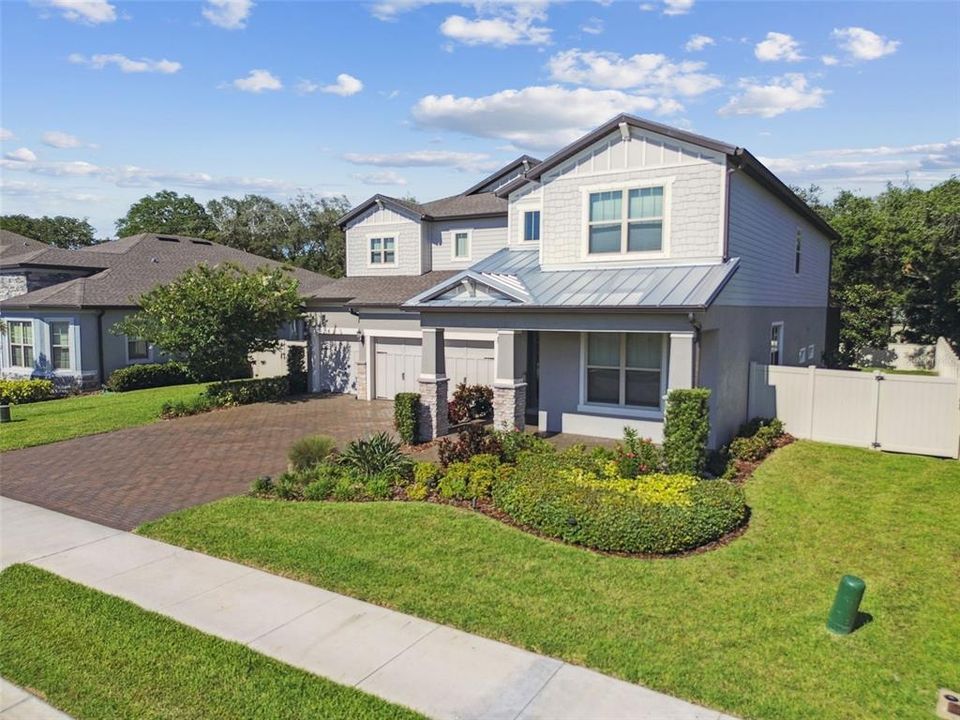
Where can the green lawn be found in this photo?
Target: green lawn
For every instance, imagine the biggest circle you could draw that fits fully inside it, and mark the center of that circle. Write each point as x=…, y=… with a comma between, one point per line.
x=96, y=656
x=46, y=422
x=740, y=628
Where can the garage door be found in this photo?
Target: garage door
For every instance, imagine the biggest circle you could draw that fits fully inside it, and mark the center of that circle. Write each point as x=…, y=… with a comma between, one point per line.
x=469, y=361
x=397, y=367
x=334, y=365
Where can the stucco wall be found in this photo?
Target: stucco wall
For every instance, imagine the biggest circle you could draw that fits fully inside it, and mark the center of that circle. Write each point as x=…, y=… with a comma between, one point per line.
x=84, y=356
x=379, y=221
x=487, y=235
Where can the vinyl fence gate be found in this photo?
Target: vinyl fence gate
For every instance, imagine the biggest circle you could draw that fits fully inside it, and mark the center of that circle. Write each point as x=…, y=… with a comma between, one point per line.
x=901, y=413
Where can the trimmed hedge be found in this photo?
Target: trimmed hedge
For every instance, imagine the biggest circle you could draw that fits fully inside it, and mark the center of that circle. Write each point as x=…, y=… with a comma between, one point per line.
x=26, y=390
x=686, y=429
x=405, y=416
x=148, y=375
x=538, y=496
x=245, y=392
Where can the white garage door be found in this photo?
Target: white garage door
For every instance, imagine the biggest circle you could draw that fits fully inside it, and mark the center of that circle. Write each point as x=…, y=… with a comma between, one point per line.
x=397, y=367
x=469, y=361
x=333, y=364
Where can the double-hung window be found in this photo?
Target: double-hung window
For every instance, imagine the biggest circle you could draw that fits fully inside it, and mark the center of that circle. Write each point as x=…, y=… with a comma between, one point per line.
x=383, y=251
x=137, y=349
x=625, y=221
x=461, y=245
x=60, y=344
x=624, y=369
x=531, y=225
x=20, y=333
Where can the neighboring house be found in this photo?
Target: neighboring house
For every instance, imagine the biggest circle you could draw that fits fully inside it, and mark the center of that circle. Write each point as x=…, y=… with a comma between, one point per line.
x=637, y=259
x=58, y=306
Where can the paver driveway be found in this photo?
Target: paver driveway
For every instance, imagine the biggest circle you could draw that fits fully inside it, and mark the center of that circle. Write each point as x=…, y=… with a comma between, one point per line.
x=127, y=477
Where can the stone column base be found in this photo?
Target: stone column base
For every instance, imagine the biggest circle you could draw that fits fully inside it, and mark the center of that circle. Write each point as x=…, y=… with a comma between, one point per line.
x=361, y=372
x=432, y=420
x=510, y=406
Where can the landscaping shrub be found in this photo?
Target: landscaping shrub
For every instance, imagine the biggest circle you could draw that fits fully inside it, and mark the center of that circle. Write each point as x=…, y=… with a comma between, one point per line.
x=657, y=514
x=246, y=392
x=296, y=369
x=263, y=485
x=473, y=440
x=347, y=489
x=636, y=455
x=148, y=375
x=755, y=440
x=514, y=442
x=375, y=455
x=685, y=430
x=26, y=390
x=425, y=477
x=289, y=486
x=310, y=451
x=471, y=480
x=470, y=402
x=453, y=484
x=380, y=487
x=191, y=406
x=405, y=416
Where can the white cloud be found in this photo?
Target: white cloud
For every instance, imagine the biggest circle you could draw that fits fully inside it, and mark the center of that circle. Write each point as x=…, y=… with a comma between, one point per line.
x=781, y=94
x=88, y=12
x=257, y=81
x=862, y=44
x=593, y=26
x=58, y=139
x=345, y=86
x=386, y=177
x=651, y=72
x=536, y=117
x=698, y=42
x=828, y=60
x=6, y=134
x=778, y=47
x=388, y=10
x=22, y=155
x=466, y=161
x=500, y=25
x=34, y=190
x=228, y=14
x=125, y=64
x=677, y=7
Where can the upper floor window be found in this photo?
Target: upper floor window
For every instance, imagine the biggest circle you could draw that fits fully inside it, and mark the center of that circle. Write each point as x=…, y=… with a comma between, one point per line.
x=796, y=254
x=20, y=333
x=60, y=344
x=383, y=251
x=615, y=226
x=531, y=225
x=461, y=245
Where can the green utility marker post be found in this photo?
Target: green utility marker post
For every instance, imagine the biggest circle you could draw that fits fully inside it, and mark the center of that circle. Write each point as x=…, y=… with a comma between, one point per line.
x=846, y=605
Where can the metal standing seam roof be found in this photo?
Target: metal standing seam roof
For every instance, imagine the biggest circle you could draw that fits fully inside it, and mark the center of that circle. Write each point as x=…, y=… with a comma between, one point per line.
x=519, y=281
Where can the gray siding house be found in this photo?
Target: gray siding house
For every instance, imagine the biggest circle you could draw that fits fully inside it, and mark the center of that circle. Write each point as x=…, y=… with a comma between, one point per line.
x=58, y=306
x=583, y=287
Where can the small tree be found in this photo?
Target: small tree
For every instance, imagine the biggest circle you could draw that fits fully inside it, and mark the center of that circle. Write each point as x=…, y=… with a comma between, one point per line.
x=686, y=429
x=213, y=318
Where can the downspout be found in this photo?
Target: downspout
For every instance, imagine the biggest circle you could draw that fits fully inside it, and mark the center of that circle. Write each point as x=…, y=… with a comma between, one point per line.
x=100, y=366
x=697, y=329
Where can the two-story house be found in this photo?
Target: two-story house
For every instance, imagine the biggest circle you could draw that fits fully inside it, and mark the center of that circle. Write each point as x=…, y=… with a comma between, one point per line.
x=637, y=259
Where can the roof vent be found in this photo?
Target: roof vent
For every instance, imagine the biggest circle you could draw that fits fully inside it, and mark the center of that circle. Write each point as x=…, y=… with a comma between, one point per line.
x=167, y=238
x=201, y=242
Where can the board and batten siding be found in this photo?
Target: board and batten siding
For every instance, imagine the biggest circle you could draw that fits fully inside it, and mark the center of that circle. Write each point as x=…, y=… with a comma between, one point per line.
x=762, y=234
x=487, y=235
x=384, y=221
x=694, y=204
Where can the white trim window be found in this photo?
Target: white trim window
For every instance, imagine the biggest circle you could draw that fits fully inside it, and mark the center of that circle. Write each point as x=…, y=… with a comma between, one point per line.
x=20, y=343
x=383, y=250
x=61, y=345
x=776, y=343
x=138, y=350
x=625, y=370
x=461, y=245
x=634, y=226
x=531, y=225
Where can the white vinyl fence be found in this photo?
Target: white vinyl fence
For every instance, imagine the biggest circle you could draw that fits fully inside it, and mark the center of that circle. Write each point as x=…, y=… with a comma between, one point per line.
x=901, y=413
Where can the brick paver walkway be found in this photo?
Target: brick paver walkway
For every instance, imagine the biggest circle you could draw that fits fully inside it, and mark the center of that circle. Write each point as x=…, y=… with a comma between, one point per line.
x=127, y=477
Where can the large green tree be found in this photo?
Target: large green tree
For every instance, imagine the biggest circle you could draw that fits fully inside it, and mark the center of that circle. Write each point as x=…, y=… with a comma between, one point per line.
x=167, y=212
x=60, y=231
x=212, y=318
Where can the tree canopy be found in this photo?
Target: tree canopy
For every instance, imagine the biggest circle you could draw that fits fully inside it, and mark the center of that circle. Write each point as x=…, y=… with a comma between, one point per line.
x=60, y=231
x=211, y=319
x=167, y=212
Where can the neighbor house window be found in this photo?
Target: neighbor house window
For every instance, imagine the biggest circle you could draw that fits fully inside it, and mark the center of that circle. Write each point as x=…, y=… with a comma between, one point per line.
x=137, y=349
x=20, y=333
x=624, y=369
x=461, y=245
x=531, y=225
x=60, y=344
x=383, y=251
x=615, y=226
x=776, y=343
x=796, y=254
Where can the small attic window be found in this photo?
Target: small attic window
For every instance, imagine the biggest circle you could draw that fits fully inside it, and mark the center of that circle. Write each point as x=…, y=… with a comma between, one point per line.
x=166, y=238
x=201, y=242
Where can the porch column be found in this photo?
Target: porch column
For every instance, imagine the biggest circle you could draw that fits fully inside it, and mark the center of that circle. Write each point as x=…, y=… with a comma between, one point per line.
x=680, y=373
x=509, y=385
x=432, y=419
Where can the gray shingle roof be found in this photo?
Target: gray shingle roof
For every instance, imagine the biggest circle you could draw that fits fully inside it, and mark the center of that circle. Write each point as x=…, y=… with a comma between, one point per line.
x=378, y=291
x=123, y=270
x=466, y=205
x=516, y=280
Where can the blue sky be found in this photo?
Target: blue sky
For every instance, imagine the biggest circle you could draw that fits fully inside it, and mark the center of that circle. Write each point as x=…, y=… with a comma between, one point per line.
x=104, y=102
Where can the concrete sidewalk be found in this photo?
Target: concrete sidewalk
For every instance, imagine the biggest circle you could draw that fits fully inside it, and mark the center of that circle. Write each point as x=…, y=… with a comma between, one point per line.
x=439, y=671
x=17, y=704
